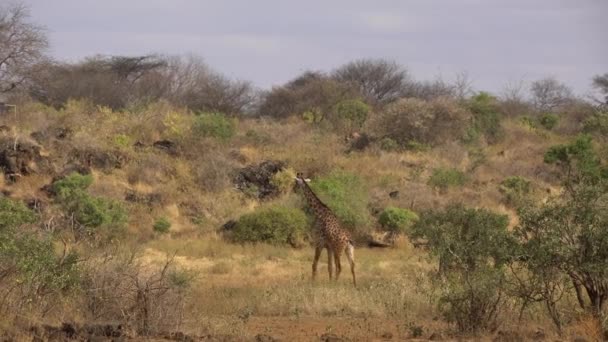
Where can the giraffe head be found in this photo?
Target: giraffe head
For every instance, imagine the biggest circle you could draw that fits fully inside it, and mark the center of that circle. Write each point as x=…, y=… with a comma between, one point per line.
x=300, y=181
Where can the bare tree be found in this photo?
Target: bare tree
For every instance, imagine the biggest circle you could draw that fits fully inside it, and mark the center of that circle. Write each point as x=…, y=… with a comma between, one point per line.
x=601, y=83
x=195, y=85
x=548, y=94
x=22, y=44
x=380, y=80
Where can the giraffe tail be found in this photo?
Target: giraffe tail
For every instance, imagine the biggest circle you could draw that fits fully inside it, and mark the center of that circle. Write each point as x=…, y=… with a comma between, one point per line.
x=350, y=250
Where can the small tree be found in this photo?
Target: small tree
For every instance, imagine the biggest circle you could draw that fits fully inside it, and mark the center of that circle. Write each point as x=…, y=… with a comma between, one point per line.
x=473, y=247
x=569, y=234
x=379, y=80
x=548, y=94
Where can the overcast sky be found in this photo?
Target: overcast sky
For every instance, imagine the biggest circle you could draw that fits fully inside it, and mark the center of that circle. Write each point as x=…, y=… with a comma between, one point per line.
x=271, y=41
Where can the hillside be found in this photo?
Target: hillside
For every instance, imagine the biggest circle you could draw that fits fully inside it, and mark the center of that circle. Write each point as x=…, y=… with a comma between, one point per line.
x=164, y=183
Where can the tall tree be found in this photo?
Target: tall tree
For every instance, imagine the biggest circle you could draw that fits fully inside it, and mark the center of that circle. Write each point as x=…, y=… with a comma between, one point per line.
x=22, y=45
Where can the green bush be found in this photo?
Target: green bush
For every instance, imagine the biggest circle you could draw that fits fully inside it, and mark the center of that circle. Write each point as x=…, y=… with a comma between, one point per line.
x=548, y=120
x=14, y=214
x=312, y=116
x=397, y=220
x=274, y=225
x=162, y=225
x=70, y=184
x=515, y=189
x=346, y=195
x=597, y=123
x=486, y=117
x=416, y=146
x=214, y=125
x=388, y=144
x=473, y=247
x=526, y=121
x=350, y=114
x=94, y=214
x=443, y=178
x=28, y=260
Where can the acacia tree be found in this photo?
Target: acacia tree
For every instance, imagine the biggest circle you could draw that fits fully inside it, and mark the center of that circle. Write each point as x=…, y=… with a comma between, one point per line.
x=569, y=234
x=22, y=45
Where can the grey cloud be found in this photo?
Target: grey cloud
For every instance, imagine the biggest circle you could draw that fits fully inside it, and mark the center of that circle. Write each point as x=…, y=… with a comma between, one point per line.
x=271, y=41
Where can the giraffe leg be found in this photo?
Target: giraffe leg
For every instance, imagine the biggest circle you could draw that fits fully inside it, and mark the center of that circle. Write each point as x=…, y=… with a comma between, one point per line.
x=350, y=254
x=338, y=265
x=315, y=262
x=330, y=265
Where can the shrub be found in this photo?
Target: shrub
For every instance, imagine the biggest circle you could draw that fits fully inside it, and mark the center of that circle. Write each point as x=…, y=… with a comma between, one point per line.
x=311, y=95
x=95, y=214
x=122, y=140
x=548, y=120
x=526, y=121
x=443, y=178
x=65, y=187
x=283, y=180
x=274, y=225
x=473, y=247
x=515, y=189
x=350, y=115
x=397, y=220
x=214, y=125
x=312, y=116
x=486, y=116
x=13, y=214
x=30, y=262
x=597, y=123
x=427, y=122
x=162, y=225
x=388, y=144
x=346, y=194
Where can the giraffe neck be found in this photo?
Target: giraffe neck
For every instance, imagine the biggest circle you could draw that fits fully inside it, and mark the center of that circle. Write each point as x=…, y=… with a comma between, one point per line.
x=315, y=203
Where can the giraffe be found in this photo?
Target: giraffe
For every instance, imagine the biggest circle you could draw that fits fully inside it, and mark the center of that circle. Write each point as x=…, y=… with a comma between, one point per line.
x=331, y=234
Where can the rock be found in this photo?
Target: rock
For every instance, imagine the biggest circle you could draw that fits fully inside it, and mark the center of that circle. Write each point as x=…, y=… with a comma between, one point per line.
x=265, y=338
x=328, y=337
x=258, y=178
x=394, y=194
x=166, y=146
x=228, y=226
x=138, y=145
x=359, y=142
x=436, y=337
x=17, y=157
x=147, y=199
x=387, y=335
x=97, y=158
